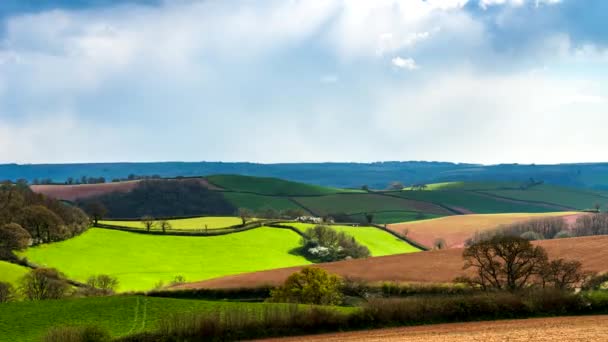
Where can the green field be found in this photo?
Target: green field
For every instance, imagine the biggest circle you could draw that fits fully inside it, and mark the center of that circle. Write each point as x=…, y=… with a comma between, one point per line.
x=358, y=203
x=259, y=202
x=388, y=217
x=470, y=186
x=377, y=241
x=11, y=273
x=212, y=222
x=270, y=186
x=573, y=198
x=120, y=315
x=139, y=261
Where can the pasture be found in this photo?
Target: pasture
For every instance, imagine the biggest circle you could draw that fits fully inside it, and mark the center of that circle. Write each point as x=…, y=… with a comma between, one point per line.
x=141, y=261
x=11, y=273
x=196, y=223
x=567, y=197
x=377, y=241
x=259, y=202
x=455, y=230
x=270, y=186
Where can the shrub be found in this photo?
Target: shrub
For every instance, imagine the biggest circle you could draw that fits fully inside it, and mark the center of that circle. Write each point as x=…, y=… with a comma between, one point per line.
x=44, y=283
x=311, y=285
x=7, y=292
x=77, y=334
x=562, y=234
x=597, y=282
x=531, y=236
x=101, y=285
x=323, y=244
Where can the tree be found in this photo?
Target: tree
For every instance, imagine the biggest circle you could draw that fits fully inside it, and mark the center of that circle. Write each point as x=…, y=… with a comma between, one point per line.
x=322, y=243
x=14, y=237
x=102, y=284
x=397, y=186
x=43, y=224
x=311, y=285
x=563, y=274
x=148, y=222
x=369, y=217
x=439, y=243
x=96, y=211
x=245, y=214
x=164, y=225
x=44, y=283
x=7, y=292
x=503, y=263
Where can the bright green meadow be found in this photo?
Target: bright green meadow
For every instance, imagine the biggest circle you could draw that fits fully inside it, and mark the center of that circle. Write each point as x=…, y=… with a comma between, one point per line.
x=11, y=273
x=196, y=223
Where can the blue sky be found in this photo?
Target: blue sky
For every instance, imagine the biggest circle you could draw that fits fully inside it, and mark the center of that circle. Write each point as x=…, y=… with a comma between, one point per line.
x=485, y=81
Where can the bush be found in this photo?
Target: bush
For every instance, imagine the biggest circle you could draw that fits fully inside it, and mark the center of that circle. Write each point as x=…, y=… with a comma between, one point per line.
x=101, y=285
x=531, y=236
x=597, y=282
x=77, y=334
x=311, y=285
x=7, y=292
x=44, y=283
x=323, y=244
x=563, y=234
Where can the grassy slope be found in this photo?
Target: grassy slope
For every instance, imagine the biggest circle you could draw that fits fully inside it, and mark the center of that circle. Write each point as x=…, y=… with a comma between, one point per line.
x=389, y=217
x=471, y=185
x=574, y=198
x=28, y=321
x=190, y=223
x=379, y=242
x=257, y=202
x=473, y=202
x=269, y=186
x=11, y=273
x=140, y=261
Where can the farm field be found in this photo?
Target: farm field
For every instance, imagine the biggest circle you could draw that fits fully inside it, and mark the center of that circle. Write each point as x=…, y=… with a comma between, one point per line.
x=140, y=261
x=270, y=186
x=424, y=267
x=259, y=202
x=386, y=217
x=470, y=186
x=120, y=315
x=377, y=241
x=196, y=223
x=573, y=198
x=455, y=230
x=11, y=273
x=578, y=328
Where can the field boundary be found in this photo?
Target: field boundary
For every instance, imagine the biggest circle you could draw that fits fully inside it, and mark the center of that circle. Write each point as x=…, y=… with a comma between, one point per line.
x=548, y=204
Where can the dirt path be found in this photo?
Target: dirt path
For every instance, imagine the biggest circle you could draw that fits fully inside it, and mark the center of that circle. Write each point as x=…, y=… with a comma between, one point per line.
x=585, y=328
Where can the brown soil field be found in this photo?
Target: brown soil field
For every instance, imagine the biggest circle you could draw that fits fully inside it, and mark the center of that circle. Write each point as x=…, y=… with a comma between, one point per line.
x=82, y=191
x=423, y=267
x=455, y=230
x=579, y=328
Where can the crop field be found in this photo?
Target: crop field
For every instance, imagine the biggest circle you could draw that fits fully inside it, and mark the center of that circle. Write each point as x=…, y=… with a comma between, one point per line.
x=259, y=202
x=455, y=230
x=386, y=217
x=140, y=261
x=377, y=241
x=11, y=273
x=567, y=197
x=358, y=203
x=270, y=186
x=196, y=223
x=424, y=267
x=471, y=202
x=120, y=315
x=578, y=328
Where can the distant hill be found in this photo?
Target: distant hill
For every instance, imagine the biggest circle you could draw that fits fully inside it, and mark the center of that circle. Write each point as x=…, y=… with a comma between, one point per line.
x=340, y=175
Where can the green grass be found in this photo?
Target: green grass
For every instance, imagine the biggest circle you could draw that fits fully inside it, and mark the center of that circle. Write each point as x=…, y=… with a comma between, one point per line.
x=573, y=198
x=11, y=273
x=270, y=186
x=377, y=241
x=471, y=201
x=359, y=203
x=258, y=202
x=139, y=261
x=120, y=315
x=212, y=222
x=470, y=186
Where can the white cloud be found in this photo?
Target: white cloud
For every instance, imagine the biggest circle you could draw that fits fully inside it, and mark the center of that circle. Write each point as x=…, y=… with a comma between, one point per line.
x=404, y=63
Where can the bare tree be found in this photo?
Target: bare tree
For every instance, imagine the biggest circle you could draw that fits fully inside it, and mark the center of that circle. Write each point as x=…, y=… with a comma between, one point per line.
x=148, y=222
x=14, y=237
x=7, y=292
x=164, y=225
x=96, y=211
x=44, y=283
x=43, y=224
x=245, y=214
x=563, y=274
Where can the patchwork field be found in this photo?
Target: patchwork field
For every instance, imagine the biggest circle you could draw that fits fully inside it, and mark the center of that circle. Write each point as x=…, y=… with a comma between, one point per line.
x=259, y=202
x=140, y=261
x=433, y=267
x=196, y=223
x=11, y=273
x=455, y=230
x=379, y=242
x=270, y=186
x=573, y=198
x=585, y=328
x=120, y=315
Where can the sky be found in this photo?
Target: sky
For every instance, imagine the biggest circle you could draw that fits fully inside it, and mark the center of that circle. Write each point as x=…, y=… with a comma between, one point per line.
x=482, y=81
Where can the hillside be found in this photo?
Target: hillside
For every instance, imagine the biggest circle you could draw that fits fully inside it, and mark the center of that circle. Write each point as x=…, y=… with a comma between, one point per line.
x=269, y=186
x=11, y=273
x=433, y=266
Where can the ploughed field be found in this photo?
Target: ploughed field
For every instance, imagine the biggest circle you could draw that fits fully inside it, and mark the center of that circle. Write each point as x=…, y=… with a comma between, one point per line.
x=425, y=267
x=576, y=329
x=140, y=261
x=196, y=223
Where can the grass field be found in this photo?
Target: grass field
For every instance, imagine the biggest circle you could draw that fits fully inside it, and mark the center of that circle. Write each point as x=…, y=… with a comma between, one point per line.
x=358, y=203
x=472, y=202
x=11, y=273
x=573, y=198
x=270, y=186
x=139, y=261
x=212, y=222
x=377, y=241
x=386, y=217
x=120, y=315
x=470, y=186
x=456, y=229
x=258, y=202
